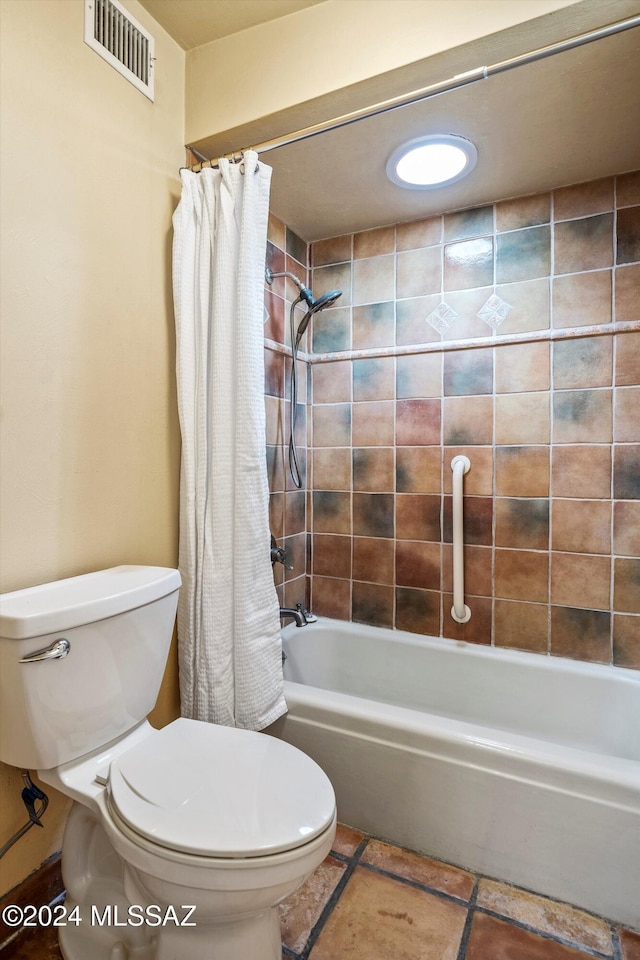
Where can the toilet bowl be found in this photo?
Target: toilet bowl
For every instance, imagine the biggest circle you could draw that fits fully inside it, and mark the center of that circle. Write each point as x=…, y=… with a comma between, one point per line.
x=182, y=841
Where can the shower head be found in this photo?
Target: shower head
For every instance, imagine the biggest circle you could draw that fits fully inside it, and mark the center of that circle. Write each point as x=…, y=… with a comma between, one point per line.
x=326, y=300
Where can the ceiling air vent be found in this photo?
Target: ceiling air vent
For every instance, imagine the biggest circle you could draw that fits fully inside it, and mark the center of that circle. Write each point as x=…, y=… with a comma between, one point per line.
x=112, y=32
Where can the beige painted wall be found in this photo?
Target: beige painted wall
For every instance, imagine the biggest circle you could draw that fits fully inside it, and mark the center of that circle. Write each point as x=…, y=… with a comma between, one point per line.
x=322, y=49
x=90, y=439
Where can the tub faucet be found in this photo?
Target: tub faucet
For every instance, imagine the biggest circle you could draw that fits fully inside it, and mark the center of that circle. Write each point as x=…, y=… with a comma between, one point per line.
x=297, y=614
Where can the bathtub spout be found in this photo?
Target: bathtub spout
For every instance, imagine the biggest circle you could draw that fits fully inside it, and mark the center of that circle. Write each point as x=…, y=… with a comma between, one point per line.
x=297, y=614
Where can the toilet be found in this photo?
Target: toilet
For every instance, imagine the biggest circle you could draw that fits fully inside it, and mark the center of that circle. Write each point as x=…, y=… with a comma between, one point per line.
x=181, y=842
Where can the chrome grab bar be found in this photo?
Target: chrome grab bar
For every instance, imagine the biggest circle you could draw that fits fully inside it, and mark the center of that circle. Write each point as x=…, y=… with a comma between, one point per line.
x=459, y=611
x=61, y=648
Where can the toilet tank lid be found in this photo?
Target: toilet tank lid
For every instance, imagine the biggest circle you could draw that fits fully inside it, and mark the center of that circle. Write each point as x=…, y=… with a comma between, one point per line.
x=50, y=607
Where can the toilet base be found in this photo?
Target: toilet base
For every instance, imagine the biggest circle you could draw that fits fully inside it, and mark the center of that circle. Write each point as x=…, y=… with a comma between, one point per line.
x=113, y=899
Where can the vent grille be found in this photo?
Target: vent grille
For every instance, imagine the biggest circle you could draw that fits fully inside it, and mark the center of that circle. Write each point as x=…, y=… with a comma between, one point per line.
x=113, y=33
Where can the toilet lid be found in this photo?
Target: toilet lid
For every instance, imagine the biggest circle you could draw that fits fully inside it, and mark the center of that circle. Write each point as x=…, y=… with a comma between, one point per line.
x=221, y=792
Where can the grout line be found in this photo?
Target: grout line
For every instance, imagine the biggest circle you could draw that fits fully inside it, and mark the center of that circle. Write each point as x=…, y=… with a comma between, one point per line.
x=416, y=885
x=466, y=932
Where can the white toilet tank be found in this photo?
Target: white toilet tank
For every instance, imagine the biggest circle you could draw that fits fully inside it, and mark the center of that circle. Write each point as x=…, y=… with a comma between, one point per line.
x=117, y=625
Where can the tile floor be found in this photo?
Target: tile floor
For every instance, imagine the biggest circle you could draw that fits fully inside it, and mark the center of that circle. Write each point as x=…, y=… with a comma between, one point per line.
x=373, y=901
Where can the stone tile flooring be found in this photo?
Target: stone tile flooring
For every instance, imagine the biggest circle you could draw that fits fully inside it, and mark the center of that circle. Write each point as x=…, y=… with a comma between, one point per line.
x=373, y=901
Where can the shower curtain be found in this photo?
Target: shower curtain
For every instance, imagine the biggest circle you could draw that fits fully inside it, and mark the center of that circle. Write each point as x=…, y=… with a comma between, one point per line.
x=228, y=614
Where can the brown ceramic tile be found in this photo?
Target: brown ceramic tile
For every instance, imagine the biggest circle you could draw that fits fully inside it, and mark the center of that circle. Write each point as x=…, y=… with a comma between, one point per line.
x=300, y=912
x=522, y=368
x=522, y=418
x=373, y=559
x=523, y=626
x=626, y=528
x=347, y=840
x=582, y=416
x=331, y=556
x=40, y=943
x=585, y=244
x=583, y=362
x=522, y=471
x=378, y=918
x=276, y=515
x=467, y=263
x=336, y=277
x=411, y=323
x=417, y=422
x=477, y=222
x=276, y=231
x=331, y=331
x=372, y=603
x=628, y=229
x=296, y=550
x=530, y=300
x=430, y=873
x=581, y=634
x=468, y=420
x=274, y=325
x=374, y=243
x=295, y=246
x=374, y=469
x=331, y=512
x=626, y=642
x=477, y=629
x=332, y=382
x=521, y=575
x=374, y=378
x=334, y=250
x=628, y=189
x=493, y=939
x=523, y=212
x=274, y=412
x=477, y=569
x=581, y=526
x=332, y=425
x=522, y=523
x=374, y=325
x=418, y=469
x=626, y=471
x=373, y=279
x=468, y=373
x=583, y=199
x=627, y=359
x=627, y=414
x=630, y=945
x=419, y=375
x=523, y=255
x=592, y=573
x=478, y=519
x=331, y=598
x=417, y=517
x=419, y=233
x=418, y=611
x=581, y=471
x=295, y=591
x=580, y=299
x=628, y=292
x=294, y=512
x=418, y=564
x=478, y=480
x=546, y=916
x=626, y=589
x=275, y=468
x=373, y=423
x=418, y=272
x=373, y=514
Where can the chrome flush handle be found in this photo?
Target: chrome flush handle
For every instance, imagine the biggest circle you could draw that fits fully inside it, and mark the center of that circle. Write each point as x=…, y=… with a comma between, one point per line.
x=58, y=649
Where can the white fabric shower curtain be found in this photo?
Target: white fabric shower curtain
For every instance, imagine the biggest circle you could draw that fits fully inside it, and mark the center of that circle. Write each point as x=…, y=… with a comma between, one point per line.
x=228, y=613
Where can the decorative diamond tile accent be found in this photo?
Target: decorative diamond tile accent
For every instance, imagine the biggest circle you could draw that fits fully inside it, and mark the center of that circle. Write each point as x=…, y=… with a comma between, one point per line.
x=494, y=311
x=265, y=315
x=442, y=317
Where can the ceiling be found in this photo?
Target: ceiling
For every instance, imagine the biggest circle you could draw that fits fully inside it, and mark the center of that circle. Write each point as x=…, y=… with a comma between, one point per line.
x=194, y=22
x=566, y=119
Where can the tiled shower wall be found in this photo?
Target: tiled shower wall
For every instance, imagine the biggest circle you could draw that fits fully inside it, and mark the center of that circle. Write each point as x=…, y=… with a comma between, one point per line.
x=509, y=333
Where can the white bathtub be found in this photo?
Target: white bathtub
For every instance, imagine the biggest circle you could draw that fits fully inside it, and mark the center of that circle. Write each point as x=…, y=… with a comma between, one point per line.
x=515, y=765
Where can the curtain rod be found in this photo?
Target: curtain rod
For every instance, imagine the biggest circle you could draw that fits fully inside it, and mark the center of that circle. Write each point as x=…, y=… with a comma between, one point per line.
x=432, y=90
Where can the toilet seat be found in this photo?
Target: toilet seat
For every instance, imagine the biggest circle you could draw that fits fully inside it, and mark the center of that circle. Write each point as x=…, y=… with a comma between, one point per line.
x=220, y=792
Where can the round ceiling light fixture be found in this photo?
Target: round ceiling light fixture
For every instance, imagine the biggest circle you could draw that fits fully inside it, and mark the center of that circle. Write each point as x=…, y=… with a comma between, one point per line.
x=430, y=162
